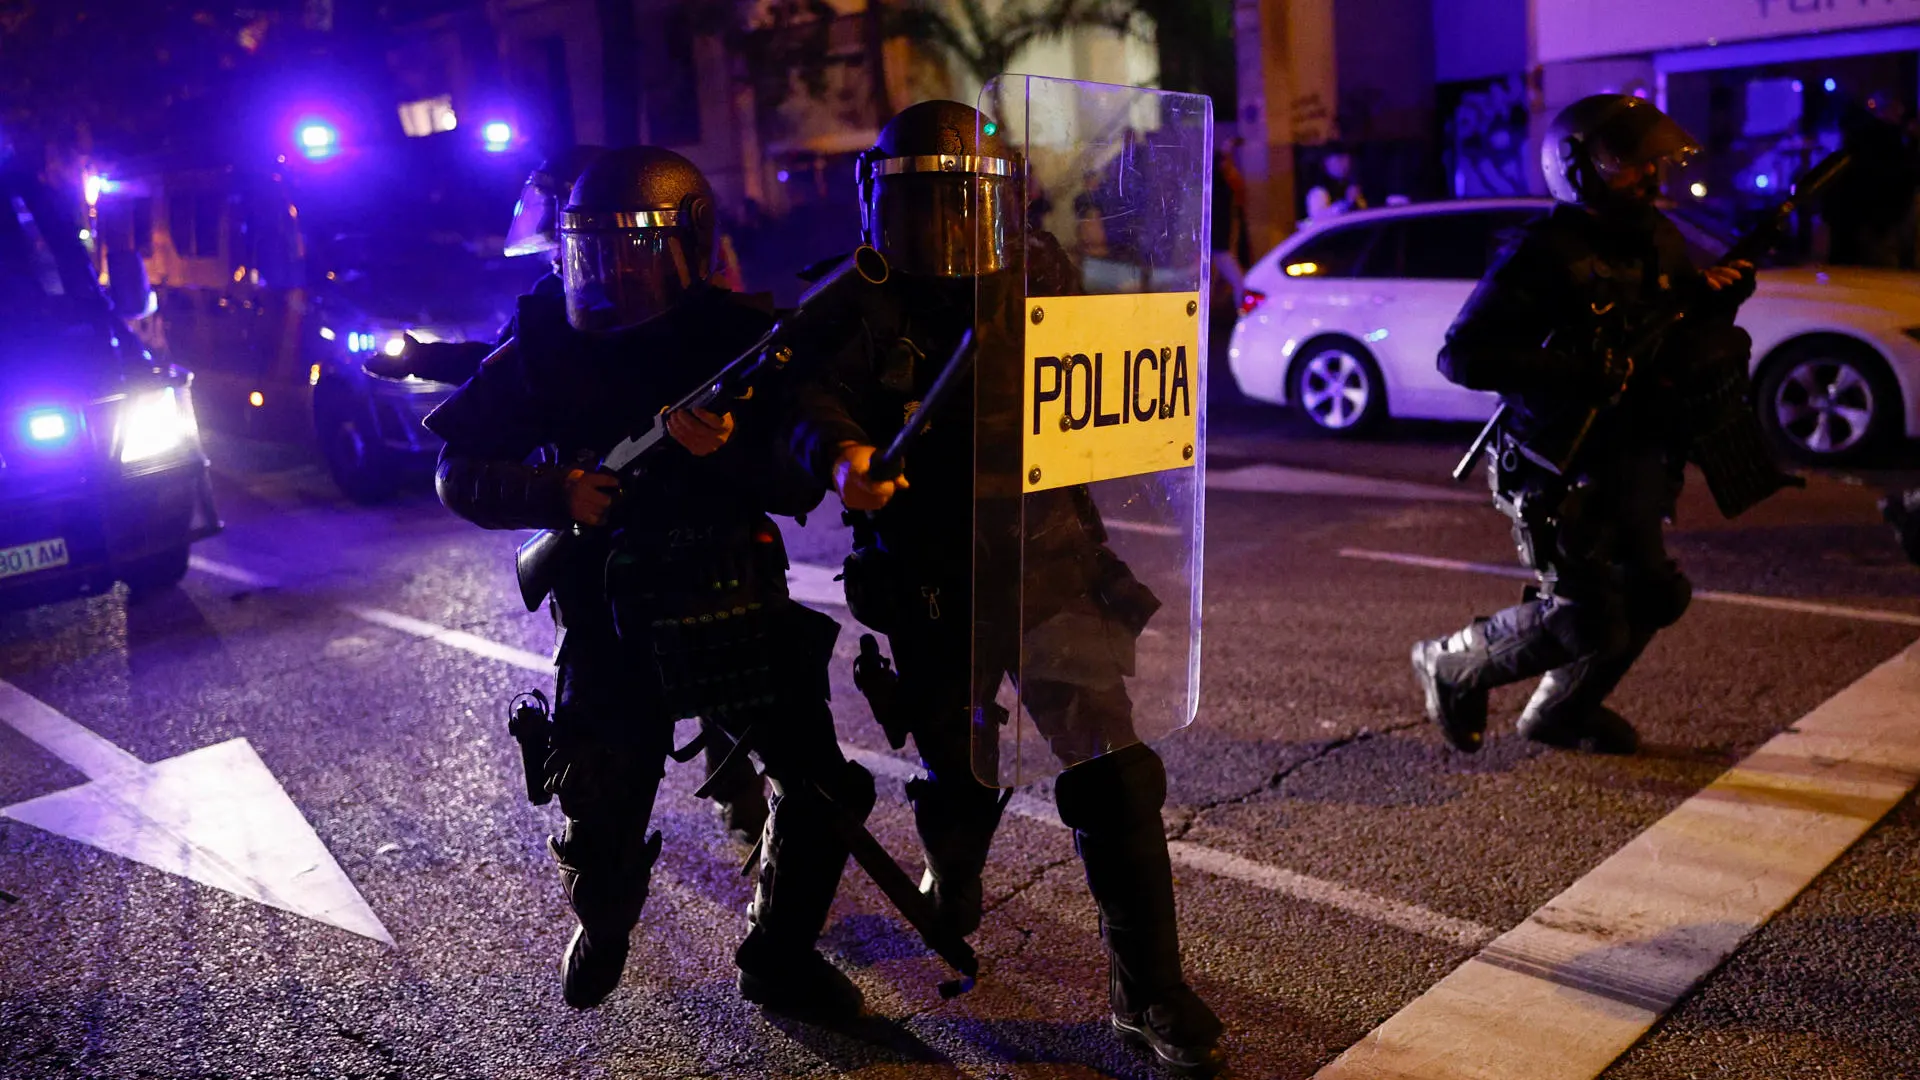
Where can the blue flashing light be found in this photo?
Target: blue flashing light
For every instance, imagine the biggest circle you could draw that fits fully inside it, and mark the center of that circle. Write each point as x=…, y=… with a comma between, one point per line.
x=498, y=135
x=361, y=343
x=1831, y=86
x=1763, y=181
x=784, y=176
x=318, y=140
x=47, y=426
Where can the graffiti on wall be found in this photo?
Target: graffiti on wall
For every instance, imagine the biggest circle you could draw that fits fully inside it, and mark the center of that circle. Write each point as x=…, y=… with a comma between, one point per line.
x=1486, y=139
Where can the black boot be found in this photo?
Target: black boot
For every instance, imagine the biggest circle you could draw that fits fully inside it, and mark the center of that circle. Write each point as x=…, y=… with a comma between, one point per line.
x=739, y=796
x=1568, y=710
x=956, y=819
x=1112, y=803
x=1456, y=672
x=1460, y=711
x=801, y=861
x=607, y=900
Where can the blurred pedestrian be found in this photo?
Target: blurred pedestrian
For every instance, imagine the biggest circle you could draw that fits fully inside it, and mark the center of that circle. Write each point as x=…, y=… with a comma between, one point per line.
x=1871, y=211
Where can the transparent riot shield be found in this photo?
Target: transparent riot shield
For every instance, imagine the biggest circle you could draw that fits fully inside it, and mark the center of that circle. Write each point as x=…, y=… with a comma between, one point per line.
x=1090, y=425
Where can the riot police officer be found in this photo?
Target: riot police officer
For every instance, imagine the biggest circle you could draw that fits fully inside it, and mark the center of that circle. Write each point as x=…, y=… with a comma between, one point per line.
x=673, y=602
x=739, y=795
x=1589, y=460
x=925, y=188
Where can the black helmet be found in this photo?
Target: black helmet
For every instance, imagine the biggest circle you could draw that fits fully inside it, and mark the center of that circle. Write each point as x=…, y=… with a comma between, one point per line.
x=1597, y=138
x=939, y=176
x=536, y=217
x=636, y=237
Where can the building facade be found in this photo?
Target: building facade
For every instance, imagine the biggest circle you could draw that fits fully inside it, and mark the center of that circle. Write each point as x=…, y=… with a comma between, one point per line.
x=1765, y=84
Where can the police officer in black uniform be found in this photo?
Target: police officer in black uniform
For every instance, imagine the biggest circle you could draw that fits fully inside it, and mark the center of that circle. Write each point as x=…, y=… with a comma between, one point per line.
x=673, y=602
x=1589, y=460
x=924, y=187
x=739, y=795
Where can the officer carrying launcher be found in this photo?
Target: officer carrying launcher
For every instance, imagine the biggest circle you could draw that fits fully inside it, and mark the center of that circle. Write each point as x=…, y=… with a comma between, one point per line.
x=672, y=601
x=1588, y=453
x=942, y=199
x=739, y=795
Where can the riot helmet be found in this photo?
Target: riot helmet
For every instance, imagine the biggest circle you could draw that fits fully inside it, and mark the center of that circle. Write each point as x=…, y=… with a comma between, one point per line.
x=940, y=192
x=536, y=217
x=636, y=237
x=1596, y=145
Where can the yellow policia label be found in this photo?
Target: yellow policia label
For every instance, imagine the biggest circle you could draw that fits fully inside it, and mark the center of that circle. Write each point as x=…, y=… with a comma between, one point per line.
x=1111, y=387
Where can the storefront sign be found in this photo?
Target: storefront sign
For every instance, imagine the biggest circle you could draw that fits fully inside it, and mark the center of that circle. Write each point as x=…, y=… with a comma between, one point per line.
x=1585, y=29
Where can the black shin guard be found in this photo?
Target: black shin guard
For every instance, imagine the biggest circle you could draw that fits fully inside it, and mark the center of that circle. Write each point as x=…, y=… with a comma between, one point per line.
x=1113, y=803
x=802, y=860
x=607, y=885
x=956, y=820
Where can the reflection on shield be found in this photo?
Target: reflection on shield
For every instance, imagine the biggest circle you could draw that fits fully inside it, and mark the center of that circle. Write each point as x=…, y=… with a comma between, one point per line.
x=1090, y=427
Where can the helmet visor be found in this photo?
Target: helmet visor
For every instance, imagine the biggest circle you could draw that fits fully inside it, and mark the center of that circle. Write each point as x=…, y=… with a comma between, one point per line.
x=536, y=221
x=942, y=222
x=618, y=277
x=1640, y=137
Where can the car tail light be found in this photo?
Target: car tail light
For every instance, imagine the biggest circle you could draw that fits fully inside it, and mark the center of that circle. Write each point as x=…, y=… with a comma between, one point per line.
x=1250, y=300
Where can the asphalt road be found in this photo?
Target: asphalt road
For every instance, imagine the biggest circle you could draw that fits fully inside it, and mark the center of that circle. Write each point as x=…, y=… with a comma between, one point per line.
x=1371, y=860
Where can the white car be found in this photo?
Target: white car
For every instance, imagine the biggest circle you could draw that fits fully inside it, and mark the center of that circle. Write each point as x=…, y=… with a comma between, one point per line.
x=1345, y=319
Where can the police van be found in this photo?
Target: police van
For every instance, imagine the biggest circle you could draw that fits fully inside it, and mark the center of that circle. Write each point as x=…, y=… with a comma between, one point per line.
x=279, y=279
x=102, y=478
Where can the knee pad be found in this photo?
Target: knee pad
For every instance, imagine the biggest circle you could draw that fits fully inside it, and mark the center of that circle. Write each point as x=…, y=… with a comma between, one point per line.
x=1656, y=601
x=1121, y=790
x=1588, y=625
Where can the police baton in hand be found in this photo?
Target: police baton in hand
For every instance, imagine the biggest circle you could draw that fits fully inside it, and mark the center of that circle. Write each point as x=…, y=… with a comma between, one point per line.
x=888, y=464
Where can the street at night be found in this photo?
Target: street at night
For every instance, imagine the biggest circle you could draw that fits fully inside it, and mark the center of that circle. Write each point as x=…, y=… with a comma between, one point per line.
x=1334, y=859
x=1002, y=539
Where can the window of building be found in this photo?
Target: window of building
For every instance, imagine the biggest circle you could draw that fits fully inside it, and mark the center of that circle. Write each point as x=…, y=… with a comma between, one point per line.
x=672, y=84
x=428, y=116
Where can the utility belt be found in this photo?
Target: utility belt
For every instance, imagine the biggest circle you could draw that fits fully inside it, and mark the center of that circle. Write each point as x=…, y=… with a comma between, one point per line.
x=706, y=603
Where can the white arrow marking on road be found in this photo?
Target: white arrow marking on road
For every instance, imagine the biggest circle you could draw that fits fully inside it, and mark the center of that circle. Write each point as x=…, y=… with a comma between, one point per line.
x=215, y=815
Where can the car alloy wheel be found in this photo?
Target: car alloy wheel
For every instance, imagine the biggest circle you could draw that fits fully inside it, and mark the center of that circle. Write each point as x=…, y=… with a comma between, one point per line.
x=1825, y=406
x=1335, y=389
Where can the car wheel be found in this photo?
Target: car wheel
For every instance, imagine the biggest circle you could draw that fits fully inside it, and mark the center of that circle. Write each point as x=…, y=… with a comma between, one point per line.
x=156, y=573
x=1828, y=400
x=358, y=461
x=1337, y=386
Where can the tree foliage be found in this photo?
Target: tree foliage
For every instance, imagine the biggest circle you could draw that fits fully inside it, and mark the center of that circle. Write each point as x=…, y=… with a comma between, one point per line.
x=984, y=37
x=76, y=73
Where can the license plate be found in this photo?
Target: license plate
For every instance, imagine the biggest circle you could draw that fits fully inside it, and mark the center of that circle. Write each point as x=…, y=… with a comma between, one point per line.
x=27, y=558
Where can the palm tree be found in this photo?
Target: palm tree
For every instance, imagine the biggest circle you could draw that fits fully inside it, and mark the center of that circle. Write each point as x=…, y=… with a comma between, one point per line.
x=984, y=37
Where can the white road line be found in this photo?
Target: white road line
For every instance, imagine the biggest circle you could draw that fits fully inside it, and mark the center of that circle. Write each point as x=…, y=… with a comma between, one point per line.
x=231, y=573
x=1149, y=528
x=94, y=756
x=1409, y=917
x=1273, y=879
x=1565, y=993
x=458, y=639
x=813, y=584
x=1286, y=480
x=1771, y=603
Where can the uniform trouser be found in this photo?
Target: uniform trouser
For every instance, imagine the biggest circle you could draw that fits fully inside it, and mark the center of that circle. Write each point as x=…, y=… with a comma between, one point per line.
x=1607, y=585
x=1112, y=802
x=610, y=751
